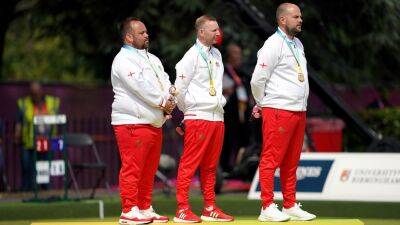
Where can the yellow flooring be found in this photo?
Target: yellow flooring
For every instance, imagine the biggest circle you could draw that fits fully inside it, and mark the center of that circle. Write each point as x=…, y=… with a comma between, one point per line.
x=314, y=222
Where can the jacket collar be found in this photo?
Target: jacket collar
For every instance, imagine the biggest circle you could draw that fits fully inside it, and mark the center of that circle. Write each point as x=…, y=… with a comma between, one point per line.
x=131, y=48
x=203, y=47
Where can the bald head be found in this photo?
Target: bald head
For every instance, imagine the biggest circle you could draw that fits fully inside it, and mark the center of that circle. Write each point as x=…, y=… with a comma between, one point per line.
x=289, y=18
x=285, y=8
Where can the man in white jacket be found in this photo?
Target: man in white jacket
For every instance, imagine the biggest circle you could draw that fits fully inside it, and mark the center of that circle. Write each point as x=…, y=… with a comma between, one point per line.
x=140, y=88
x=199, y=85
x=280, y=86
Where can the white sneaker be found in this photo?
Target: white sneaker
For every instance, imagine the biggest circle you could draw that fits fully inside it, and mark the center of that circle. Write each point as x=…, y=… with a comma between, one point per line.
x=133, y=217
x=296, y=213
x=272, y=214
x=151, y=214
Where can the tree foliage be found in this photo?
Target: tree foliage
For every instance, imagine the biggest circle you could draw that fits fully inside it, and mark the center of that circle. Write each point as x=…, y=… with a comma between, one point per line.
x=351, y=42
x=35, y=56
x=355, y=42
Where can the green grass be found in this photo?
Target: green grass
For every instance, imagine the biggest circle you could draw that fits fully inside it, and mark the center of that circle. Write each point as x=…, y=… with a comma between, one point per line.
x=19, y=213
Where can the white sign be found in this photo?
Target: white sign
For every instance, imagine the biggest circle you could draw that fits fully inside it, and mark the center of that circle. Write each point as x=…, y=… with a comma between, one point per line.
x=44, y=171
x=344, y=176
x=50, y=119
x=57, y=168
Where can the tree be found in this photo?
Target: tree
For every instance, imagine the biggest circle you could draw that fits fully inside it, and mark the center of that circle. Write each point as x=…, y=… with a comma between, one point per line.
x=8, y=13
x=355, y=42
x=350, y=42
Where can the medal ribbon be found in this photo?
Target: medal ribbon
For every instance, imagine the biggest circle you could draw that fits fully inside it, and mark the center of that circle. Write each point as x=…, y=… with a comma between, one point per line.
x=295, y=54
x=209, y=67
x=147, y=59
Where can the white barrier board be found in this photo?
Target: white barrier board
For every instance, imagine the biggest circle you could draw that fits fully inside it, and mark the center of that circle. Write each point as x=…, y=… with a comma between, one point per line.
x=343, y=176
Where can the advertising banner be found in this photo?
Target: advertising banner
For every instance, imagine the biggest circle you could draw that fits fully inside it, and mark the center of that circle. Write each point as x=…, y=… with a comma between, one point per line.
x=343, y=176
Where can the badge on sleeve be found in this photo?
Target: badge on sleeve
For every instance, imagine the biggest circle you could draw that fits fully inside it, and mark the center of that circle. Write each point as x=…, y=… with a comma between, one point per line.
x=263, y=65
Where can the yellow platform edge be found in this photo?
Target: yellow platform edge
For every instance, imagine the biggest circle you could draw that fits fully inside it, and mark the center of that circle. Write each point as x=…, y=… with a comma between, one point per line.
x=247, y=221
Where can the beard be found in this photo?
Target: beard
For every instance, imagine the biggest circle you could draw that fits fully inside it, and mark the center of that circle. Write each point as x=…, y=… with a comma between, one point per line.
x=294, y=30
x=140, y=45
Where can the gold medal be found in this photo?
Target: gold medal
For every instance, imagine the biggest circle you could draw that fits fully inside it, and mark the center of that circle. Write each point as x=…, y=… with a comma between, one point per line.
x=212, y=91
x=300, y=75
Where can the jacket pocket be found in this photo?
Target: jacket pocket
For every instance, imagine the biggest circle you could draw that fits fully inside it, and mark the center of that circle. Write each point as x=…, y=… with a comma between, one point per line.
x=190, y=101
x=136, y=110
x=220, y=105
x=222, y=101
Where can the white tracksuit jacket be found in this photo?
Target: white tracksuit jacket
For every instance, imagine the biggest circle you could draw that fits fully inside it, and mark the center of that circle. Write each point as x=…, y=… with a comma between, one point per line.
x=275, y=81
x=138, y=96
x=193, y=84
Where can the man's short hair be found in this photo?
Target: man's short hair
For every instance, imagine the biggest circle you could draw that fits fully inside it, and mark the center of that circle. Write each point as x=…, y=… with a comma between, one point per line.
x=125, y=26
x=202, y=20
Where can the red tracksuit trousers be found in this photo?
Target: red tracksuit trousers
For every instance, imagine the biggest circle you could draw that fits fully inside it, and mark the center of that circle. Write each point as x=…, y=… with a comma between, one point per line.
x=283, y=135
x=140, y=149
x=202, y=147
